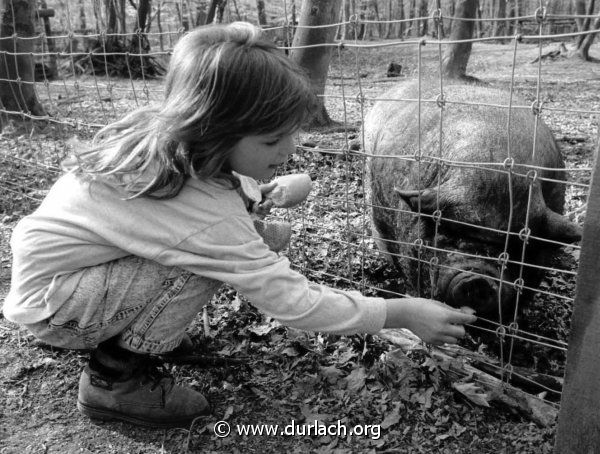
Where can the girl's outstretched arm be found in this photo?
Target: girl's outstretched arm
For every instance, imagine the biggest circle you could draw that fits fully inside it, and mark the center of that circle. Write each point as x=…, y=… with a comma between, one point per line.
x=432, y=321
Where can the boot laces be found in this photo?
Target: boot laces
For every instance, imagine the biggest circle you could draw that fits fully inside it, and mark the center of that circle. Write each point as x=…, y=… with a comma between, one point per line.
x=157, y=375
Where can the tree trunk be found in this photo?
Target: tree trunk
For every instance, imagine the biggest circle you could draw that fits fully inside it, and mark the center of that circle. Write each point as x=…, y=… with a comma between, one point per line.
x=517, y=12
x=411, y=15
x=111, y=25
x=583, y=49
x=580, y=11
x=456, y=56
x=82, y=21
x=212, y=9
x=139, y=41
x=499, y=28
x=452, y=12
x=99, y=21
x=19, y=94
x=201, y=13
x=52, y=71
x=122, y=16
x=388, y=27
x=316, y=59
x=479, y=33
x=160, y=29
x=143, y=14
x=584, y=42
x=423, y=12
x=262, y=16
x=400, y=29
x=221, y=11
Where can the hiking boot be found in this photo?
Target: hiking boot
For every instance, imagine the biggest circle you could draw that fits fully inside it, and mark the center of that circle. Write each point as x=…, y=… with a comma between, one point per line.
x=143, y=394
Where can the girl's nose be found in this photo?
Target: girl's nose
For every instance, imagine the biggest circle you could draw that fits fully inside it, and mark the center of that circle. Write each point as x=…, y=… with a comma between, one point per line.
x=288, y=145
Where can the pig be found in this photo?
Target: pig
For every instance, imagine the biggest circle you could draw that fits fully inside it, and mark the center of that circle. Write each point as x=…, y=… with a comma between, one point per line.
x=442, y=217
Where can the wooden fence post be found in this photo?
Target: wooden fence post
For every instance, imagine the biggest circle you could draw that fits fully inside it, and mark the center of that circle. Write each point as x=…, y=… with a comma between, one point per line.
x=578, y=430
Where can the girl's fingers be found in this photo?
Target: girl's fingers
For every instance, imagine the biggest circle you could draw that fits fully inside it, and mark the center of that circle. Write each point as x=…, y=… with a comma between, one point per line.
x=457, y=331
x=266, y=188
x=459, y=317
x=445, y=340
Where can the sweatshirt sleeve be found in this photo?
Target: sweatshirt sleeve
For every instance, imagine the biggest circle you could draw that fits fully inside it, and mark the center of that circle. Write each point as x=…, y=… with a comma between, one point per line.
x=231, y=251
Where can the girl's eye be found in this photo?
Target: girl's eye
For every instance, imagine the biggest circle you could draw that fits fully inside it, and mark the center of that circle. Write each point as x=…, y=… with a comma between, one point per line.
x=271, y=143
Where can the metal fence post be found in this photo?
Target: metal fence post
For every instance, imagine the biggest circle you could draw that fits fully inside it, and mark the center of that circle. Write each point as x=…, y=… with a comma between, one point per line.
x=578, y=430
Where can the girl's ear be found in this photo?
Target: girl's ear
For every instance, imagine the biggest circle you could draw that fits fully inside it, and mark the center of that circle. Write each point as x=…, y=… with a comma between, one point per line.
x=430, y=199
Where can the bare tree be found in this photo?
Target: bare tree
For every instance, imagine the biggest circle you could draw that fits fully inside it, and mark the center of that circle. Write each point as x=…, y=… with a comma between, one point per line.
x=215, y=11
x=262, y=16
x=316, y=59
x=499, y=27
x=139, y=41
x=584, y=42
x=589, y=23
x=456, y=56
x=17, y=92
x=119, y=52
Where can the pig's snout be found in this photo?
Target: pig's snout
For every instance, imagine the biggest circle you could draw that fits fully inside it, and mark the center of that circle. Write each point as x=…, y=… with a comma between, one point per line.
x=467, y=289
x=475, y=285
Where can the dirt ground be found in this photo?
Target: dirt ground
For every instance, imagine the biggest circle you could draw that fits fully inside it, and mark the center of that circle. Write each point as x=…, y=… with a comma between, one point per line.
x=278, y=375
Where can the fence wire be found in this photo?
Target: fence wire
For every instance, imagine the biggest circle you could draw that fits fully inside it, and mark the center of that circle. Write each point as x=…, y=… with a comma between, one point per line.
x=334, y=241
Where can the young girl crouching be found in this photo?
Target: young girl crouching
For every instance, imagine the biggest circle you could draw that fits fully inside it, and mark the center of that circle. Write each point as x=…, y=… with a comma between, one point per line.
x=138, y=235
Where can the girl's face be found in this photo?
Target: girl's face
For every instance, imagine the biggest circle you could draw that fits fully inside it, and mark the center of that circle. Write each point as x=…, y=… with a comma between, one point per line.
x=259, y=156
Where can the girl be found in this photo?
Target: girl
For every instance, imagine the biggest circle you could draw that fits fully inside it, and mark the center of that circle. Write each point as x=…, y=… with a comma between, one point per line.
x=135, y=239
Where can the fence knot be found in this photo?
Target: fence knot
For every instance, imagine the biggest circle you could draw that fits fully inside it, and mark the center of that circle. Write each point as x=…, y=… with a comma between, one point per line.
x=417, y=157
x=540, y=14
x=503, y=258
x=434, y=261
x=509, y=163
x=501, y=332
x=354, y=20
x=509, y=370
x=513, y=328
x=436, y=15
x=524, y=234
x=518, y=285
x=436, y=216
x=360, y=98
x=531, y=175
x=519, y=37
x=418, y=244
x=422, y=42
x=536, y=107
x=440, y=101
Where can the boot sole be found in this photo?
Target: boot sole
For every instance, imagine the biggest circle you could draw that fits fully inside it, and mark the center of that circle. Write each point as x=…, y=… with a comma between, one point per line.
x=111, y=415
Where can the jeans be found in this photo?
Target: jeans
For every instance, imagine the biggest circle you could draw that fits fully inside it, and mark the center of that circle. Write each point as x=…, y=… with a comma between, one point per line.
x=144, y=305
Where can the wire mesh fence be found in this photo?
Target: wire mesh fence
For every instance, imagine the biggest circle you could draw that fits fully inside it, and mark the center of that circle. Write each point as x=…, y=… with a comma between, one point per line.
x=335, y=240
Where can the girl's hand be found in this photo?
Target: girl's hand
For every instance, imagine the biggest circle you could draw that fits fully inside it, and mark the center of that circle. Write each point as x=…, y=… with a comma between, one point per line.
x=432, y=321
x=263, y=208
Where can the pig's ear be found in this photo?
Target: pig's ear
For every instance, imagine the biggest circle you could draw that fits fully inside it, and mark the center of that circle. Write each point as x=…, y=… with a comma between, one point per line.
x=429, y=200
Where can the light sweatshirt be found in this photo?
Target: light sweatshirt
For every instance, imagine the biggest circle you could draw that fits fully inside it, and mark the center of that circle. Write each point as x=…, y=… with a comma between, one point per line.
x=205, y=229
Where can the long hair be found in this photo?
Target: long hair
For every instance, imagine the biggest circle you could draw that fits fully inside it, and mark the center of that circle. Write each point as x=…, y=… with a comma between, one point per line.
x=224, y=83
